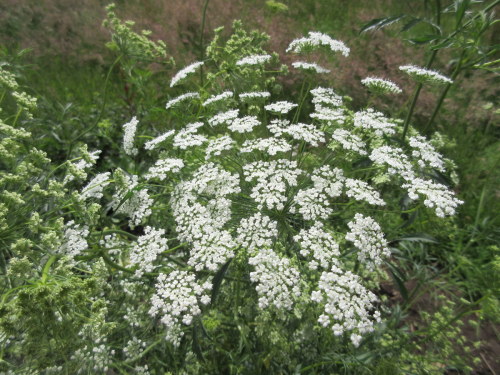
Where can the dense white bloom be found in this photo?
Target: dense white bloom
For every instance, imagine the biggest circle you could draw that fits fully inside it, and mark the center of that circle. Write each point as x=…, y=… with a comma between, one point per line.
x=211, y=250
x=318, y=244
x=381, y=86
x=128, y=136
x=425, y=75
x=313, y=204
x=347, y=302
x=349, y=141
x=310, y=66
x=181, y=98
x=163, y=166
x=254, y=95
x=370, y=119
x=156, y=141
x=361, y=191
x=185, y=72
x=368, y=238
x=425, y=153
x=326, y=96
x=177, y=301
x=253, y=60
x=316, y=39
x=224, y=117
x=271, y=146
x=277, y=280
x=188, y=136
x=306, y=132
x=437, y=196
x=280, y=107
x=256, y=232
x=95, y=187
x=244, y=124
x=396, y=160
x=328, y=180
x=216, y=98
x=323, y=113
x=136, y=206
x=146, y=250
x=278, y=126
x=217, y=145
x=272, y=177
x=74, y=239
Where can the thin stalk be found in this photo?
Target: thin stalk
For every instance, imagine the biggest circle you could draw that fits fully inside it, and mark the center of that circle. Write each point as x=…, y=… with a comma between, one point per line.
x=445, y=91
x=202, y=31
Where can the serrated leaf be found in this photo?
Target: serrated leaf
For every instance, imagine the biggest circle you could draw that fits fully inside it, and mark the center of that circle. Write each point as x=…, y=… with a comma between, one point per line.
x=379, y=23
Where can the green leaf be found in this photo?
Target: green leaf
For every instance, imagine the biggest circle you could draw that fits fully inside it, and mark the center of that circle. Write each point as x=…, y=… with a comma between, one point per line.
x=397, y=277
x=217, y=281
x=416, y=237
x=410, y=24
x=424, y=39
x=379, y=23
x=461, y=6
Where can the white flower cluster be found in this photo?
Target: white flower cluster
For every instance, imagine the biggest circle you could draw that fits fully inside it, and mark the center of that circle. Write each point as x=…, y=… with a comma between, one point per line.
x=373, y=120
x=181, y=98
x=368, y=238
x=185, y=72
x=224, y=117
x=188, y=136
x=437, y=196
x=253, y=60
x=177, y=301
x=74, y=239
x=381, y=86
x=328, y=180
x=256, y=232
x=348, y=304
x=254, y=95
x=272, y=177
x=361, y=191
x=426, y=153
x=395, y=158
x=147, y=249
x=244, y=124
x=328, y=114
x=95, y=359
x=271, y=146
x=310, y=66
x=282, y=107
x=306, y=132
x=134, y=203
x=156, y=141
x=315, y=242
x=128, y=136
x=78, y=169
x=425, y=75
x=162, y=167
x=349, y=141
x=201, y=224
x=95, y=187
x=278, y=126
x=217, y=145
x=216, y=98
x=316, y=39
x=278, y=281
x=322, y=95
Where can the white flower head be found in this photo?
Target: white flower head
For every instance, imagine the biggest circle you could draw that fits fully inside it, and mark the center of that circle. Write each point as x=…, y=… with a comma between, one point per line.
x=282, y=107
x=316, y=39
x=182, y=74
x=128, y=137
x=150, y=145
x=253, y=60
x=190, y=95
x=310, y=66
x=423, y=75
x=381, y=86
x=373, y=120
x=216, y=98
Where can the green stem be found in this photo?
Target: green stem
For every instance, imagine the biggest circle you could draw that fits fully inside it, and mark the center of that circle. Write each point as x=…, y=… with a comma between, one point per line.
x=202, y=31
x=445, y=91
x=112, y=264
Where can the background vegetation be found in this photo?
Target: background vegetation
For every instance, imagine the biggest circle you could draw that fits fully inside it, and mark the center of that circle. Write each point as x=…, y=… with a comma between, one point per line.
x=446, y=283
